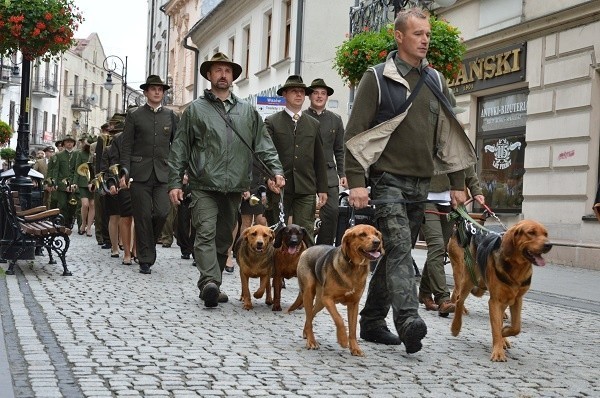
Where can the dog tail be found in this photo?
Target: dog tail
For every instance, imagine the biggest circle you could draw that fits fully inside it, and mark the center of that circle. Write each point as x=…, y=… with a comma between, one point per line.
x=296, y=304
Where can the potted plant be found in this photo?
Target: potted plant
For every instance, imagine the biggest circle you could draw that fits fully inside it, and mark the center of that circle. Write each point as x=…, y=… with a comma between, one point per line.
x=367, y=48
x=6, y=133
x=8, y=154
x=38, y=28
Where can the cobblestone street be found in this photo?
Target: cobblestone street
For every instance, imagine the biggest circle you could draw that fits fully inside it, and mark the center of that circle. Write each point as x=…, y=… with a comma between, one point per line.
x=109, y=331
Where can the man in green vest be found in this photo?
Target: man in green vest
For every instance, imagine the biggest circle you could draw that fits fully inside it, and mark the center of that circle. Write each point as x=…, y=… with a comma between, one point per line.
x=67, y=193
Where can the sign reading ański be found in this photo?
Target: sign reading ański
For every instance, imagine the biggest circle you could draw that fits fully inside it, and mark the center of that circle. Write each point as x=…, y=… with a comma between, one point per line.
x=269, y=105
x=493, y=69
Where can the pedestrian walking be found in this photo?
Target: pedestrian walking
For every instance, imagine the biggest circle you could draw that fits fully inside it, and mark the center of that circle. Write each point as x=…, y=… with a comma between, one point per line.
x=400, y=167
x=215, y=142
x=147, y=138
x=331, y=128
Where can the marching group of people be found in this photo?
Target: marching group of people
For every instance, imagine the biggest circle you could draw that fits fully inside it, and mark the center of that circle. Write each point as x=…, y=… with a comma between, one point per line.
x=221, y=153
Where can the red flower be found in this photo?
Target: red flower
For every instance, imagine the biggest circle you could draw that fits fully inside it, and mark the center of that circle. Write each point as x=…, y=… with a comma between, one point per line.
x=40, y=26
x=48, y=16
x=36, y=32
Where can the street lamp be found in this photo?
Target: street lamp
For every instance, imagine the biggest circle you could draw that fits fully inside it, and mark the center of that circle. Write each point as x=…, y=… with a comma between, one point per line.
x=110, y=66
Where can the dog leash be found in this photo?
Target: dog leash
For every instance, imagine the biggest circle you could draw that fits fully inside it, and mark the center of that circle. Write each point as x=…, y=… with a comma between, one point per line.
x=281, y=223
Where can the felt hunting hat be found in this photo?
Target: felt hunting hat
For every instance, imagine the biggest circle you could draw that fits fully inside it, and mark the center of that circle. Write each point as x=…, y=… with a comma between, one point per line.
x=116, y=123
x=104, y=126
x=220, y=58
x=154, y=80
x=294, y=81
x=58, y=143
x=83, y=137
x=320, y=83
x=49, y=149
x=69, y=137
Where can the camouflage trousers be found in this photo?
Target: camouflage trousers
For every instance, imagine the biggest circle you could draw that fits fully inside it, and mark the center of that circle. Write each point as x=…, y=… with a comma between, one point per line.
x=393, y=281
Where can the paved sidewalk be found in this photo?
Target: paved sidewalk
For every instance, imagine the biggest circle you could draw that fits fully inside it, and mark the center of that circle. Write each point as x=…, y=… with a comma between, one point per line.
x=109, y=331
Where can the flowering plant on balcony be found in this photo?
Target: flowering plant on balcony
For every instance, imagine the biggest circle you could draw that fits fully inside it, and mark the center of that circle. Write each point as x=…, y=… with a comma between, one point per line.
x=38, y=28
x=5, y=133
x=368, y=48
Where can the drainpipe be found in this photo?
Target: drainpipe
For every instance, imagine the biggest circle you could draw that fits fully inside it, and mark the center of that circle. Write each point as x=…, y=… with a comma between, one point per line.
x=150, y=39
x=168, y=45
x=196, y=57
x=299, y=34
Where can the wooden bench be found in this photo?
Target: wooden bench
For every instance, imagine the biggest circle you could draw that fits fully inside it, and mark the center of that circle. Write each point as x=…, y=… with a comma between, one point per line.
x=37, y=226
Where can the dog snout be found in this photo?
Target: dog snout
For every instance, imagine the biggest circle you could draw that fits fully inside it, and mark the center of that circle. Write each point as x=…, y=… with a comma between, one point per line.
x=376, y=243
x=259, y=244
x=294, y=241
x=547, y=247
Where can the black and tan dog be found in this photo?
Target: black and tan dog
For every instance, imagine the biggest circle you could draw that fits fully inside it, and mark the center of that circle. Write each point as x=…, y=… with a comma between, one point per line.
x=329, y=275
x=290, y=242
x=254, y=255
x=504, y=268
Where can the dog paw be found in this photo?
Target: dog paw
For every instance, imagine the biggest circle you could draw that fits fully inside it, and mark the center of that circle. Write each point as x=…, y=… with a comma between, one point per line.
x=258, y=294
x=312, y=345
x=506, y=343
x=498, y=355
x=248, y=306
x=357, y=352
x=276, y=307
x=268, y=302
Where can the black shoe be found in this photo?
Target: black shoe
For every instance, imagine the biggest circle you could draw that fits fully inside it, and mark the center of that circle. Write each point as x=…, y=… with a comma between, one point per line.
x=380, y=336
x=413, y=334
x=166, y=245
x=210, y=295
x=194, y=264
x=229, y=269
x=222, y=298
x=106, y=246
x=145, y=269
x=185, y=256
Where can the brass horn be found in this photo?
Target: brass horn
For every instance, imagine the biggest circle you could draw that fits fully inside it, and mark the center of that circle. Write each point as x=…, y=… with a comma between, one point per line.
x=84, y=170
x=254, y=200
x=72, y=197
x=119, y=172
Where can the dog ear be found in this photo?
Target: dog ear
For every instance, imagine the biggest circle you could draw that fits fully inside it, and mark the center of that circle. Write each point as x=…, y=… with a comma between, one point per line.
x=346, y=245
x=305, y=238
x=278, y=238
x=236, y=246
x=510, y=240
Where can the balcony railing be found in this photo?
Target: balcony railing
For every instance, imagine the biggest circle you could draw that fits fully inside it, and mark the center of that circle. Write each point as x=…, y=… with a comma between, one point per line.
x=44, y=88
x=80, y=104
x=373, y=15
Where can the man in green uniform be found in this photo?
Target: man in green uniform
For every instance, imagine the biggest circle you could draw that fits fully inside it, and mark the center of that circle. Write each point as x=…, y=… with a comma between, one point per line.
x=147, y=138
x=214, y=144
x=300, y=148
x=67, y=193
x=332, y=134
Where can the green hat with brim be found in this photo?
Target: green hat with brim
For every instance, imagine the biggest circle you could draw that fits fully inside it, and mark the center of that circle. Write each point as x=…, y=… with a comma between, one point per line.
x=320, y=83
x=220, y=58
x=294, y=81
x=69, y=137
x=116, y=123
x=154, y=80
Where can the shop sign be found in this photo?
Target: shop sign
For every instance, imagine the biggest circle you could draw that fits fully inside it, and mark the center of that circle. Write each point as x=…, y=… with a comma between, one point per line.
x=502, y=112
x=492, y=69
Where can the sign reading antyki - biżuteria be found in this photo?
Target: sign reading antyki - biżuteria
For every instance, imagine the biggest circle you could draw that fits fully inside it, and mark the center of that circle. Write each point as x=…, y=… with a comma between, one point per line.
x=499, y=112
x=492, y=69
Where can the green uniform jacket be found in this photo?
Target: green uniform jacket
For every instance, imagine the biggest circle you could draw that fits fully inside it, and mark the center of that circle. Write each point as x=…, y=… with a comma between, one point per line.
x=300, y=151
x=332, y=134
x=428, y=141
x=64, y=168
x=146, y=142
x=213, y=155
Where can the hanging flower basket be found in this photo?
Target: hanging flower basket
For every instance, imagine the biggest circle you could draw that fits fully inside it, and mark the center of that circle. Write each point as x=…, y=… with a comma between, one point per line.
x=6, y=133
x=369, y=48
x=38, y=28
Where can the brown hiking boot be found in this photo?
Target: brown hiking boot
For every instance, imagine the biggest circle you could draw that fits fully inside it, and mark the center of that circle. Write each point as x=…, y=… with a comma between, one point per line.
x=446, y=308
x=427, y=299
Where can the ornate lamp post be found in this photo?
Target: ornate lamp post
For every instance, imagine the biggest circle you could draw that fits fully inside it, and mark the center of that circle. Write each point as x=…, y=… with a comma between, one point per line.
x=110, y=65
x=39, y=29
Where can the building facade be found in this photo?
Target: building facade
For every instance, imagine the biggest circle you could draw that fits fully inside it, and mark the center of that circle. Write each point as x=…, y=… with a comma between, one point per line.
x=531, y=87
x=272, y=40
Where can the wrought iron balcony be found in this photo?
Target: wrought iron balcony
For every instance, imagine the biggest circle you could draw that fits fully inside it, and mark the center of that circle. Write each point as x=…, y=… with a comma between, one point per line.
x=80, y=104
x=44, y=88
x=372, y=15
